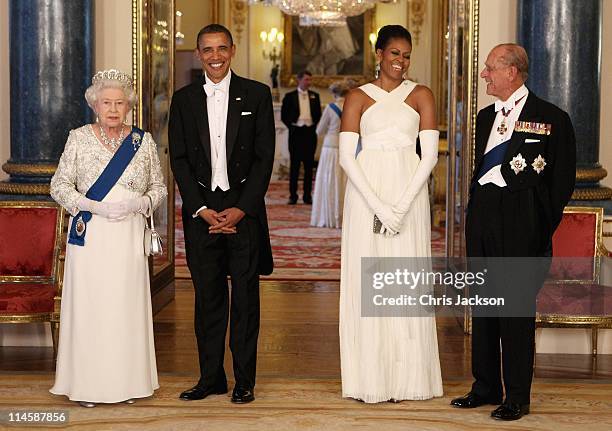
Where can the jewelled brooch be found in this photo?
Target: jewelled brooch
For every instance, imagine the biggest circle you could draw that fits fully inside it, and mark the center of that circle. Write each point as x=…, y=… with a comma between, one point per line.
x=135, y=140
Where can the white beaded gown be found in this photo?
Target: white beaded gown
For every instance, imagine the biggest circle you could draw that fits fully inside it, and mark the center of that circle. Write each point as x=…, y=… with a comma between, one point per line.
x=330, y=181
x=385, y=358
x=106, y=349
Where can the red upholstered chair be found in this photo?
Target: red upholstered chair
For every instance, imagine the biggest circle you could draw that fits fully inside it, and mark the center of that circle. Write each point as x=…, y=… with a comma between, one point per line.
x=30, y=263
x=573, y=295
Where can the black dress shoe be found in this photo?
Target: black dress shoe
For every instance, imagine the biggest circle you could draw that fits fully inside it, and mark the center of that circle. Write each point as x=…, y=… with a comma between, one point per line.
x=292, y=201
x=510, y=411
x=471, y=400
x=242, y=395
x=308, y=201
x=200, y=392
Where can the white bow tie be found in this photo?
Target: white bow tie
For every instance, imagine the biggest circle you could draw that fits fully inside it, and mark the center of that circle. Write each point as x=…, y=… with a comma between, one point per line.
x=508, y=105
x=210, y=88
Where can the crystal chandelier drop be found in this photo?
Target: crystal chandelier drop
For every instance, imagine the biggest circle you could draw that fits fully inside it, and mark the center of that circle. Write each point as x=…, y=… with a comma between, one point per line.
x=320, y=12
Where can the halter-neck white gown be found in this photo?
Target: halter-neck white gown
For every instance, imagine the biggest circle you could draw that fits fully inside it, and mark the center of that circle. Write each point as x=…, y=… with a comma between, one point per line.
x=386, y=358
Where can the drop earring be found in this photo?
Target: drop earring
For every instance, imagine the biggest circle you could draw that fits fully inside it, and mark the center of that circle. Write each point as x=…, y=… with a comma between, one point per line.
x=376, y=70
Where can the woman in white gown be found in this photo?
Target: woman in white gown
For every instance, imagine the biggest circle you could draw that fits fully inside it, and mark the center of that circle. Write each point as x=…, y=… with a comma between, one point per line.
x=387, y=358
x=106, y=351
x=330, y=181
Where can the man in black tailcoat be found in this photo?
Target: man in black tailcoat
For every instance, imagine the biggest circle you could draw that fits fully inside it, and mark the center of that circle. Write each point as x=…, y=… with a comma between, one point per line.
x=525, y=170
x=221, y=135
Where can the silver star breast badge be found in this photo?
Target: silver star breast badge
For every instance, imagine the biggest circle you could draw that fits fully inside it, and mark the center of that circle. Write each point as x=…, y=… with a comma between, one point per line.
x=538, y=164
x=518, y=163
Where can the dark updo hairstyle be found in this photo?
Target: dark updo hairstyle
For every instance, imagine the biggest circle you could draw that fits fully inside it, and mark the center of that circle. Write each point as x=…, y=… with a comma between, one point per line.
x=388, y=32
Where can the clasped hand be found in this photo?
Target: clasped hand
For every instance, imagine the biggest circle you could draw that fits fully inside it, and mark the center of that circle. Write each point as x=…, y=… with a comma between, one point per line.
x=115, y=210
x=392, y=216
x=222, y=222
x=391, y=221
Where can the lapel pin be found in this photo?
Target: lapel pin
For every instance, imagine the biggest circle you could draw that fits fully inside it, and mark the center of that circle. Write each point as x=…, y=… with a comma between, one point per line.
x=238, y=98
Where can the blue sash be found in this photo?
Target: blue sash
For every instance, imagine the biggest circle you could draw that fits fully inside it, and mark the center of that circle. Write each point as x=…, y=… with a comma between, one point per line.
x=493, y=158
x=336, y=109
x=105, y=182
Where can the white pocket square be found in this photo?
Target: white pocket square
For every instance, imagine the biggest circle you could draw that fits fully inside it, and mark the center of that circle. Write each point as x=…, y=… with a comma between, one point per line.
x=246, y=113
x=528, y=141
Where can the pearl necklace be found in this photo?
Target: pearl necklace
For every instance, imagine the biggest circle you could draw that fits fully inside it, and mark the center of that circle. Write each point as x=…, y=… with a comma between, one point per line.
x=112, y=143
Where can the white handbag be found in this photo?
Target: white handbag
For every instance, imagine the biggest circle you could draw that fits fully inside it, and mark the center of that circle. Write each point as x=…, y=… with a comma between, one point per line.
x=152, y=240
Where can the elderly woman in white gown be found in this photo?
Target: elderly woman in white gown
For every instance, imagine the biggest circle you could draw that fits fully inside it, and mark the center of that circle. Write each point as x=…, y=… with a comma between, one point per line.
x=330, y=181
x=109, y=178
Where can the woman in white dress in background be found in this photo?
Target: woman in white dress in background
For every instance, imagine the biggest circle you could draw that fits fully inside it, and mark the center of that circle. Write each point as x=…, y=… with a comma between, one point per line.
x=387, y=358
x=330, y=181
x=106, y=349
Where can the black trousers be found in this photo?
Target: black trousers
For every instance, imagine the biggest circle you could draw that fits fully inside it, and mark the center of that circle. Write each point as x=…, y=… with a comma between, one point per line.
x=498, y=343
x=211, y=257
x=302, y=147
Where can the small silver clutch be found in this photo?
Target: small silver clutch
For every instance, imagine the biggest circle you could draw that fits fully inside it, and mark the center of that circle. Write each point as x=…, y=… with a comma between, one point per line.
x=152, y=240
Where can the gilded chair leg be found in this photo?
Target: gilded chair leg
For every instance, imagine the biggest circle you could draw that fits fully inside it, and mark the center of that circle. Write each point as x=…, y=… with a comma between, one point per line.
x=55, y=336
x=594, y=340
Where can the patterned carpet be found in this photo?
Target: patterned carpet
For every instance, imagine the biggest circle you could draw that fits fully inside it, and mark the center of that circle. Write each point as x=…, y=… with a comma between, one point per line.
x=301, y=252
x=307, y=404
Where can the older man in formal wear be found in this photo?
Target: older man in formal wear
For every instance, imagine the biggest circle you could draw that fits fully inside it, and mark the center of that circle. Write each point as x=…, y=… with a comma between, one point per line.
x=222, y=136
x=525, y=169
x=300, y=112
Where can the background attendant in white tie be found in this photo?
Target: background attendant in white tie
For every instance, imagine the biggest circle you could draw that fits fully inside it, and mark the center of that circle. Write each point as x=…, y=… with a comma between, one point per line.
x=300, y=112
x=525, y=169
x=221, y=135
x=330, y=181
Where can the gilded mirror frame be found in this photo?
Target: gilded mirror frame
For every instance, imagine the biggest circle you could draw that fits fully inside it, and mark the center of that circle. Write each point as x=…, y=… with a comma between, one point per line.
x=462, y=103
x=463, y=43
x=287, y=74
x=153, y=71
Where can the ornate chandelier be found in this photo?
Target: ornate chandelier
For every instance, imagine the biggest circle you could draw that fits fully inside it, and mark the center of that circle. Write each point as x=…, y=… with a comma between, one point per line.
x=321, y=12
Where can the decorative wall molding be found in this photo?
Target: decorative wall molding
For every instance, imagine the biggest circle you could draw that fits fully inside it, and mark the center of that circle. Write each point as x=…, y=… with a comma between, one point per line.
x=238, y=12
x=416, y=17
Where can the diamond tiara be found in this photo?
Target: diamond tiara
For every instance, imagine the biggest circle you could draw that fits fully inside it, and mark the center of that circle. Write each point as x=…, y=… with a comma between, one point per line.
x=114, y=75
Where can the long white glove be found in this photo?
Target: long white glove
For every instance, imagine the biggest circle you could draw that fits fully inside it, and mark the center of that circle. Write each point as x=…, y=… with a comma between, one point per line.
x=139, y=205
x=429, y=157
x=348, y=144
x=115, y=210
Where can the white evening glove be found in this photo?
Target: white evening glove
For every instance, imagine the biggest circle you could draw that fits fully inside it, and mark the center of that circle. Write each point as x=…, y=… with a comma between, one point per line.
x=429, y=157
x=127, y=207
x=139, y=205
x=109, y=210
x=115, y=210
x=348, y=144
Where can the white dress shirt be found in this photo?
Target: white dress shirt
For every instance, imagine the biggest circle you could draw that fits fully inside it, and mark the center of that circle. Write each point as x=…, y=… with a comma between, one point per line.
x=514, y=104
x=305, y=118
x=217, y=97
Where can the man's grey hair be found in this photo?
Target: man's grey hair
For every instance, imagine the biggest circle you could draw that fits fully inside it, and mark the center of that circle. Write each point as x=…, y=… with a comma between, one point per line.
x=515, y=55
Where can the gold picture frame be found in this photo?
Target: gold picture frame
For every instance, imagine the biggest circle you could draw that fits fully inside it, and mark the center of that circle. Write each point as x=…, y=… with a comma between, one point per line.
x=358, y=31
x=153, y=47
x=463, y=41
